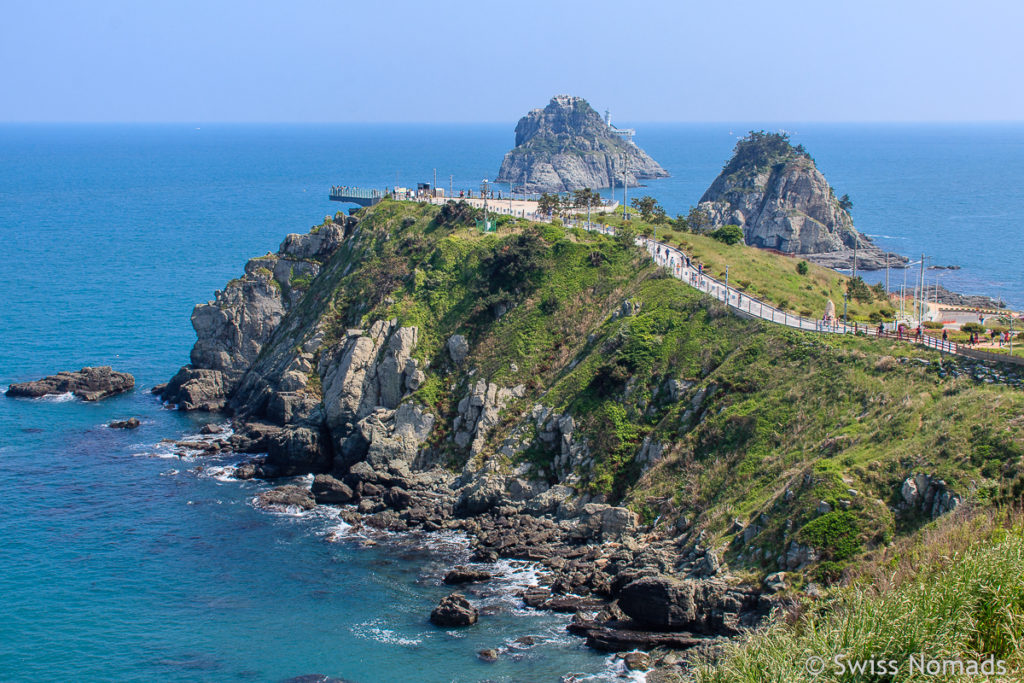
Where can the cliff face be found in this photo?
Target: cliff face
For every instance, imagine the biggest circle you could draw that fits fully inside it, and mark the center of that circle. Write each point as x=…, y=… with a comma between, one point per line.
x=558, y=386
x=568, y=146
x=782, y=201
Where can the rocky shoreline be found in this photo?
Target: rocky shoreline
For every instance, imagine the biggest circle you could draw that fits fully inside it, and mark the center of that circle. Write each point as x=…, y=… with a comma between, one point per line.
x=628, y=588
x=405, y=424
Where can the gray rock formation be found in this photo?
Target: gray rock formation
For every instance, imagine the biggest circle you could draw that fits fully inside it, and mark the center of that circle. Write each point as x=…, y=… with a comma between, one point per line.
x=88, y=384
x=478, y=413
x=568, y=146
x=928, y=494
x=777, y=195
x=708, y=606
x=454, y=610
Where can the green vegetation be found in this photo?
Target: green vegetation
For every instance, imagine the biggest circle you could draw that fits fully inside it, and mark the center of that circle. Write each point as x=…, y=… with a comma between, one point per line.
x=766, y=422
x=802, y=438
x=649, y=208
x=729, y=234
x=771, y=276
x=954, y=593
x=760, y=149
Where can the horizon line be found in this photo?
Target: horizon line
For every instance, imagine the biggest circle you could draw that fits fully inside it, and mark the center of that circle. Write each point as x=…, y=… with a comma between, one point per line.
x=379, y=122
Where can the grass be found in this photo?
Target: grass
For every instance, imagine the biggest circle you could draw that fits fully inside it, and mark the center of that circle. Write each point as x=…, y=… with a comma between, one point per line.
x=789, y=419
x=954, y=593
x=766, y=275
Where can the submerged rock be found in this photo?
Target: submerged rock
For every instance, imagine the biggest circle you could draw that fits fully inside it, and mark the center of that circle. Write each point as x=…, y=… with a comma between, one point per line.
x=88, y=384
x=289, y=495
x=466, y=575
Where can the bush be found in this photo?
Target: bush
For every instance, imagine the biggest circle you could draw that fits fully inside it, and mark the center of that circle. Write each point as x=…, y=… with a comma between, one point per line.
x=971, y=328
x=730, y=234
x=802, y=268
x=857, y=289
x=932, y=324
x=834, y=533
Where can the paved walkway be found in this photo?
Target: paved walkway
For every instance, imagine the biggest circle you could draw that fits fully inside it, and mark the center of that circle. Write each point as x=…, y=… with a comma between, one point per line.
x=677, y=264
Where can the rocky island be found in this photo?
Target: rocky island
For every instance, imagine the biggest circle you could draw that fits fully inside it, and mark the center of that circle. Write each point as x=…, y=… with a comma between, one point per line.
x=556, y=397
x=568, y=146
x=775, y=192
x=88, y=384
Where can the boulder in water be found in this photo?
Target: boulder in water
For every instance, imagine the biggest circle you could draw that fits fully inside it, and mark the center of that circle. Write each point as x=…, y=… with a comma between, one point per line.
x=88, y=384
x=454, y=610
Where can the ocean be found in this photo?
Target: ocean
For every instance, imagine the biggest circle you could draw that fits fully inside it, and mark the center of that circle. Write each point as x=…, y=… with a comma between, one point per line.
x=121, y=563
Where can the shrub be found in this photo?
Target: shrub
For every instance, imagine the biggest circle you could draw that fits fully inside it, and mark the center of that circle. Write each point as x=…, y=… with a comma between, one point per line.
x=730, y=234
x=802, y=268
x=834, y=533
x=932, y=324
x=857, y=289
x=971, y=328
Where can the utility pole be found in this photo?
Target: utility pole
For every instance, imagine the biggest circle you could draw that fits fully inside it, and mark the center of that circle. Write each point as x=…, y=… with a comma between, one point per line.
x=451, y=186
x=921, y=309
x=483, y=195
x=887, y=273
x=727, y=284
x=855, y=241
x=625, y=185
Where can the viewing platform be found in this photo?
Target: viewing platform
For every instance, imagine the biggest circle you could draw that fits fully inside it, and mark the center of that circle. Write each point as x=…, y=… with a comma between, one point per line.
x=355, y=195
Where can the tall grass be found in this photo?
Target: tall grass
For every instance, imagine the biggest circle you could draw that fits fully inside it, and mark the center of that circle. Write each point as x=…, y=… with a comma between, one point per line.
x=957, y=593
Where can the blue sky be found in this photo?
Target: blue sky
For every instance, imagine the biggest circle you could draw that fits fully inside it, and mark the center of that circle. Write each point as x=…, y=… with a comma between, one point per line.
x=319, y=61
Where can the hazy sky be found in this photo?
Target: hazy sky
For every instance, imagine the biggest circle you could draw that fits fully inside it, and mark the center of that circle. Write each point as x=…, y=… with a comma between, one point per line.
x=392, y=60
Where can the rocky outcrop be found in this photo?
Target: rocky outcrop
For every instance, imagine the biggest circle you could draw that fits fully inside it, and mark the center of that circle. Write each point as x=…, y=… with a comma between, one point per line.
x=777, y=195
x=233, y=329
x=288, y=496
x=928, y=494
x=466, y=575
x=696, y=606
x=88, y=384
x=568, y=146
x=454, y=611
x=130, y=423
x=478, y=413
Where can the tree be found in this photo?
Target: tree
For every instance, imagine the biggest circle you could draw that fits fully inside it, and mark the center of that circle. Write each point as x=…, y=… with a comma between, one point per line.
x=730, y=234
x=845, y=203
x=625, y=236
x=548, y=203
x=857, y=289
x=649, y=208
x=698, y=219
x=581, y=199
x=682, y=223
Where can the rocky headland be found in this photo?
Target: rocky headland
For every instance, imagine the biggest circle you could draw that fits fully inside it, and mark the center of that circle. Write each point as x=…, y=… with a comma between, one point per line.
x=557, y=399
x=88, y=384
x=775, y=192
x=568, y=146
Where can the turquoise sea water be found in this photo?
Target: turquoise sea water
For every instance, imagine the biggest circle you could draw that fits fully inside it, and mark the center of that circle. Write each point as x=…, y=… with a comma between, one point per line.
x=118, y=565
